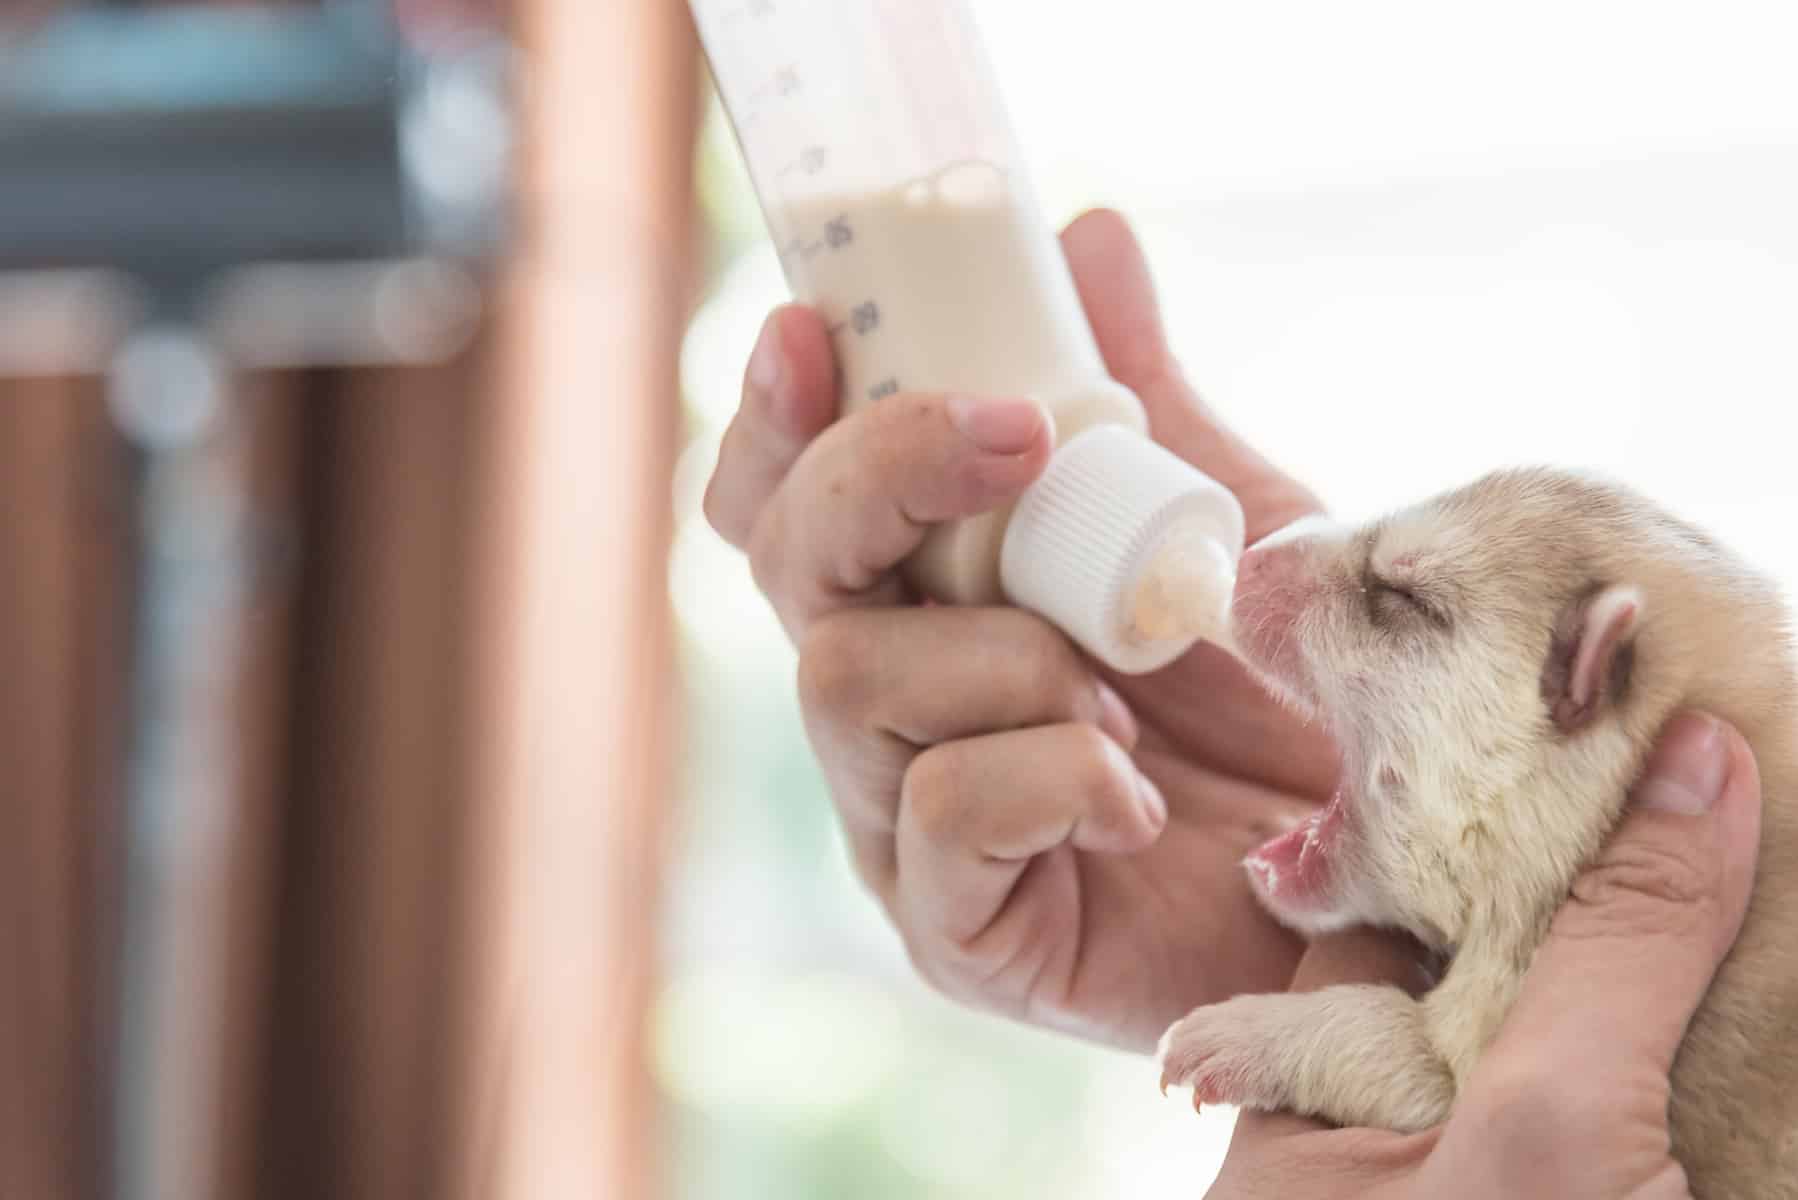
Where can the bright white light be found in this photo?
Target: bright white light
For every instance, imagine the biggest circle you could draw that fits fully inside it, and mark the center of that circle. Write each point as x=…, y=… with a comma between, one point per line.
x=955, y=1128
x=797, y=1050
x=1145, y=1144
x=723, y=332
x=716, y=602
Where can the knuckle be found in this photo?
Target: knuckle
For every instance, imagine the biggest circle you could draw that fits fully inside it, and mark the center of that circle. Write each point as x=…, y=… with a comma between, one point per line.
x=933, y=792
x=934, y=966
x=873, y=874
x=900, y=431
x=898, y=415
x=872, y=860
x=711, y=504
x=1049, y=665
x=767, y=552
x=960, y=969
x=837, y=479
x=1094, y=766
x=1640, y=887
x=922, y=963
x=729, y=522
x=1528, y=1107
x=834, y=666
x=949, y=967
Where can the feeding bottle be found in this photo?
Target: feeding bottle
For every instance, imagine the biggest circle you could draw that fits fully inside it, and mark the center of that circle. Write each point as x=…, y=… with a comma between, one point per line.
x=892, y=185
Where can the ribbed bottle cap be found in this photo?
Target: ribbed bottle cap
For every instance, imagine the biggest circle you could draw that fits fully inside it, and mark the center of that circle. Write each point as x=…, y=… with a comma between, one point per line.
x=1126, y=548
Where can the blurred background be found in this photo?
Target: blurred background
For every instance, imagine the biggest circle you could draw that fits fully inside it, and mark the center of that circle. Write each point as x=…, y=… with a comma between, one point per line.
x=401, y=789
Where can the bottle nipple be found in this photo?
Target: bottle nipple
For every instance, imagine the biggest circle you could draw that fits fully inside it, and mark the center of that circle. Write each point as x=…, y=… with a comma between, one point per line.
x=1183, y=592
x=1127, y=548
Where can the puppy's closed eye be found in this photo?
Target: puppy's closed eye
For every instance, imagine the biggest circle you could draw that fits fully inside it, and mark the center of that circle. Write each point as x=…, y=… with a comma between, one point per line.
x=1389, y=600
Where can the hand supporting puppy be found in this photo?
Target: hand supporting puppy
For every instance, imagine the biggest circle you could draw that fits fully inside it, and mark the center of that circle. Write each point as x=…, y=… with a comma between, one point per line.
x=1571, y=1098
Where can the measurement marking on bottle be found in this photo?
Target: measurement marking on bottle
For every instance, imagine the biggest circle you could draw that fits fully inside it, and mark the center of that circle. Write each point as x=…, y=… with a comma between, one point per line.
x=836, y=234
x=883, y=389
x=864, y=318
x=783, y=83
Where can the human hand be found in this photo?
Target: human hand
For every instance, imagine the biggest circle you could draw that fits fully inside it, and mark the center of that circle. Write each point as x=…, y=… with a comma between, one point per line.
x=1051, y=840
x=1571, y=1098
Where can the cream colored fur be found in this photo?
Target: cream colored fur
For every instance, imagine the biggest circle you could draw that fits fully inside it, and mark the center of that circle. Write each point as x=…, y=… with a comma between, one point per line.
x=1475, y=813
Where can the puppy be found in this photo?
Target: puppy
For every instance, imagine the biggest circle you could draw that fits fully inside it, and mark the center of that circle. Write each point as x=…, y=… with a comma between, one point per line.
x=1496, y=664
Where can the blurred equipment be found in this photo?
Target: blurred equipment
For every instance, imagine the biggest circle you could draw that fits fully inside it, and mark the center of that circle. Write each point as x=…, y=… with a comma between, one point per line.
x=193, y=195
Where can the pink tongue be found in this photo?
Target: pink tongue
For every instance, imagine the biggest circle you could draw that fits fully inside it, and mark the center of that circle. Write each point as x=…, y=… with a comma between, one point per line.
x=1293, y=871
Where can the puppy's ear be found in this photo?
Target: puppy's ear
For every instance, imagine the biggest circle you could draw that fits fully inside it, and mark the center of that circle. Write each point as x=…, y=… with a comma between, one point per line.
x=1591, y=655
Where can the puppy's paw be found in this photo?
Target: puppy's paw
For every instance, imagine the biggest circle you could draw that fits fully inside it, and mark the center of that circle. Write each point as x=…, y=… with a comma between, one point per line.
x=1351, y=1055
x=1231, y=1053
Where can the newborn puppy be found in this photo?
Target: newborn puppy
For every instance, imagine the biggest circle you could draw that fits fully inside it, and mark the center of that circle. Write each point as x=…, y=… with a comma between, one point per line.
x=1496, y=664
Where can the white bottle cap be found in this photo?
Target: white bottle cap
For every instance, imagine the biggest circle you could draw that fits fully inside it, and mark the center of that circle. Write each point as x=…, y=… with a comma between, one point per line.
x=1126, y=548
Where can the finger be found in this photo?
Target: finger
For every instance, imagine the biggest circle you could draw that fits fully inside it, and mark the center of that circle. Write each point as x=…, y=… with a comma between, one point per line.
x=1354, y=956
x=1118, y=293
x=1314, y=1162
x=1364, y=956
x=862, y=496
x=929, y=675
x=1630, y=955
x=876, y=685
x=975, y=813
x=789, y=396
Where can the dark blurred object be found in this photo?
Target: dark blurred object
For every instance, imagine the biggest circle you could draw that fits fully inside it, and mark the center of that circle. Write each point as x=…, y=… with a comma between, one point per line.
x=59, y=650
x=174, y=143
x=207, y=211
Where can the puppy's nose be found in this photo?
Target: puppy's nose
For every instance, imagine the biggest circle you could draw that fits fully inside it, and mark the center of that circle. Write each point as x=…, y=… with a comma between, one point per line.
x=1275, y=583
x=1255, y=564
x=1267, y=563
x=1287, y=547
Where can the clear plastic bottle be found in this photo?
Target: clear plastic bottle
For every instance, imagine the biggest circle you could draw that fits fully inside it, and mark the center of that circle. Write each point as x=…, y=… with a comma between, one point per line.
x=892, y=185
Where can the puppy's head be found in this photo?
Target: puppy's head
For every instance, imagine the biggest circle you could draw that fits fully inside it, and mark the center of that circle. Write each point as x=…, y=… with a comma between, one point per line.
x=1483, y=660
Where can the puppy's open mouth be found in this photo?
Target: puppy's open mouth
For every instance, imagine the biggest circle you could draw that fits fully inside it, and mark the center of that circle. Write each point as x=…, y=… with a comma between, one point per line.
x=1293, y=872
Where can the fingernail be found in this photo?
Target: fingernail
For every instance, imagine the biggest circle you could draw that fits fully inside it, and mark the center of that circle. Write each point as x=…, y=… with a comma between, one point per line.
x=765, y=361
x=1154, y=805
x=997, y=425
x=1686, y=771
x=1115, y=717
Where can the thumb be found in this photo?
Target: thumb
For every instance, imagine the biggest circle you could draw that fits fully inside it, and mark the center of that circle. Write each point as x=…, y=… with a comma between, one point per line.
x=1630, y=955
x=1118, y=294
